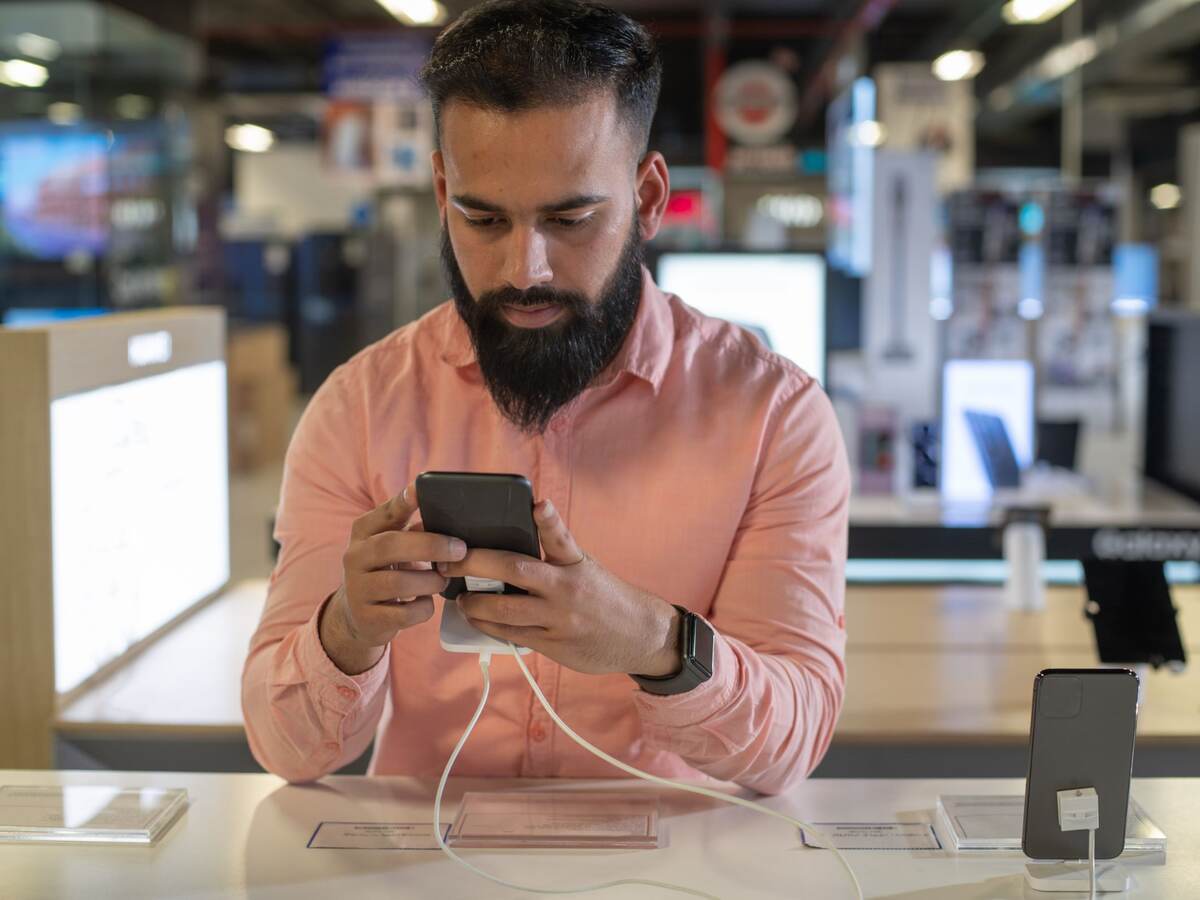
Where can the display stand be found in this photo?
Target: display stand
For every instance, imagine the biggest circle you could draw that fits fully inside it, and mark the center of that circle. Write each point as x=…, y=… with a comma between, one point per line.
x=1062, y=877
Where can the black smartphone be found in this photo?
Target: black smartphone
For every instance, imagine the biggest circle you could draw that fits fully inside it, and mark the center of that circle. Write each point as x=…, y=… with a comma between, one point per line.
x=995, y=449
x=1081, y=735
x=488, y=510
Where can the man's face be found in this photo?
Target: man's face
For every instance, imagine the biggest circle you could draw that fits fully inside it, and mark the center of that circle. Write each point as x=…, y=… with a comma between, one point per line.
x=544, y=213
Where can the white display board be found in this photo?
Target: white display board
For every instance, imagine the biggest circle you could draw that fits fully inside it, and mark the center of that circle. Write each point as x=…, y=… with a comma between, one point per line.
x=778, y=296
x=899, y=334
x=1003, y=388
x=140, y=498
x=919, y=111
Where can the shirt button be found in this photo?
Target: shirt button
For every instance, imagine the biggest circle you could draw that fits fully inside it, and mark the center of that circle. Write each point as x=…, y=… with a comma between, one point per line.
x=538, y=733
x=346, y=692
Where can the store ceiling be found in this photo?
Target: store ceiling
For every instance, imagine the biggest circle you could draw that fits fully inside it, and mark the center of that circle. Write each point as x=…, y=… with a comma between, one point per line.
x=1152, y=73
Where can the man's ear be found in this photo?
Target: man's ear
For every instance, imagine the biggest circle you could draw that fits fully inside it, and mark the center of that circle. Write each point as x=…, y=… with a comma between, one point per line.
x=653, y=188
x=439, y=183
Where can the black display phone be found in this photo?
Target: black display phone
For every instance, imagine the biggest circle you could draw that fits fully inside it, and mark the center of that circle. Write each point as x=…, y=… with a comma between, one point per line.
x=1081, y=735
x=484, y=510
x=995, y=449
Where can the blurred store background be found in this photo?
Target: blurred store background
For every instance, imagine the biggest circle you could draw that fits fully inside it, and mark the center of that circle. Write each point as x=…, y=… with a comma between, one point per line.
x=977, y=222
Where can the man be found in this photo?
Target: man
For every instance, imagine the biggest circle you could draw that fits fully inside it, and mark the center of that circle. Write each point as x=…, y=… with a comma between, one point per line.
x=686, y=476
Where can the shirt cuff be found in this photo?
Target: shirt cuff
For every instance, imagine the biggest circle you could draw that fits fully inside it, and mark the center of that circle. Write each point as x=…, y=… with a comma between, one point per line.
x=701, y=702
x=329, y=685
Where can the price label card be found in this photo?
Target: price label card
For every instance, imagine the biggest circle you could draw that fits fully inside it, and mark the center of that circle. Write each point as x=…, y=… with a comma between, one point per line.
x=374, y=836
x=874, y=836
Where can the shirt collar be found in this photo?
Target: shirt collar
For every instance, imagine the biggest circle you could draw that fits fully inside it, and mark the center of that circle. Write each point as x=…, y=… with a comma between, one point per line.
x=645, y=353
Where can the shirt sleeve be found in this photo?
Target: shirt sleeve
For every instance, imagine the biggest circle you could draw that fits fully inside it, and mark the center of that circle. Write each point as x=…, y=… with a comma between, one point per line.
x=305, y=717
x=766, y=717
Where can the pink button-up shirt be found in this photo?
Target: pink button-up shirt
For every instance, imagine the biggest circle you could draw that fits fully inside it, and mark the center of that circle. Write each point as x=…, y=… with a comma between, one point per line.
x=700, y=467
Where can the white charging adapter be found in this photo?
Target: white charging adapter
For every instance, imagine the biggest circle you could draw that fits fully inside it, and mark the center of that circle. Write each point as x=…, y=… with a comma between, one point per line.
x=457, y=635
x=1079, y=809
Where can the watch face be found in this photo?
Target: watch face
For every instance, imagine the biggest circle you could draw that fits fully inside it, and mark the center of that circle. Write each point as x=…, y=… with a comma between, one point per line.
x=701, y=649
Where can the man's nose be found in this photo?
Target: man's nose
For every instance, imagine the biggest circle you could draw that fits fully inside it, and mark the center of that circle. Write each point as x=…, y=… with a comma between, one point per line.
x=527, y=264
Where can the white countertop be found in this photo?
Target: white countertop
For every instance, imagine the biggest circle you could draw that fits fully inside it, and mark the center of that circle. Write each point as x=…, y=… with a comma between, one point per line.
x=245, y=836
x=1128, y=503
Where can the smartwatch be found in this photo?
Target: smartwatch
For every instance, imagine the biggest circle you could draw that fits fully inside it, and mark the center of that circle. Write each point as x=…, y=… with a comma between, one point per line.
x=696, y=658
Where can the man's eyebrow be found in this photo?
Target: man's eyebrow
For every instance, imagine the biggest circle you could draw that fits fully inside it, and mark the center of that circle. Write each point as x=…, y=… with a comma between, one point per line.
x=472, y=202
x=578, y=201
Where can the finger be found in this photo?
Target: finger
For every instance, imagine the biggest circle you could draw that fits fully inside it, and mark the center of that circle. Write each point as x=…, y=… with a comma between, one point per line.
x=390, y=516
x=380, y=551
x=558, y=545
x=386, y=585
x=525, y=636
x=378, y=622
x=529, y=574
x=521, y=610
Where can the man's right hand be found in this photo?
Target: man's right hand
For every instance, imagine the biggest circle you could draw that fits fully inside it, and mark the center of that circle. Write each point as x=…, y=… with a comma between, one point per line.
x=387, y=583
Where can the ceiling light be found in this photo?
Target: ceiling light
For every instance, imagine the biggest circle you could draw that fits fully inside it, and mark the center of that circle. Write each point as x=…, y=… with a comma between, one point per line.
x=37, y=46
x=1033, y=12
x=132, y=106
x=415, y=12
x=867, y=134
x=1030, y=308
x=64, y=113
x=249, y=138
x=1066, y=58
x=1165, y=196
x=22, y=73
x=958, y=65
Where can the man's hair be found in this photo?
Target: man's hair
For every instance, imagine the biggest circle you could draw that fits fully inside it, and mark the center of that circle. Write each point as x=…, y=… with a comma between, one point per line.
x=516, y=55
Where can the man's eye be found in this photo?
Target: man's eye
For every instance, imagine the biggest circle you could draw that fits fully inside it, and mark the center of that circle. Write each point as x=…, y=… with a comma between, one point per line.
x=563, y=222
x=483, y=222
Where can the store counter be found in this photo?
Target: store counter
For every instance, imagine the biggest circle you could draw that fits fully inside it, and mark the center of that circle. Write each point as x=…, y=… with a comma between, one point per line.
x=246, y=836
x=186, y=684
x=1135, y=519
x=939, y=681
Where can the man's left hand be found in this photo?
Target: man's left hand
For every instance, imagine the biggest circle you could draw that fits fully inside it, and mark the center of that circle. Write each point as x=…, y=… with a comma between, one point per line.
x=575, y=611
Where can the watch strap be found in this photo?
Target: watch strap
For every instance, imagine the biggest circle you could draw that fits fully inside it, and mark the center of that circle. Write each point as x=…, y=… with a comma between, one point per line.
x=696, y=658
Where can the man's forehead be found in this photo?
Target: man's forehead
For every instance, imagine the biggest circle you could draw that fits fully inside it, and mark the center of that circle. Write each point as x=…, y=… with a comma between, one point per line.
x=535, y=157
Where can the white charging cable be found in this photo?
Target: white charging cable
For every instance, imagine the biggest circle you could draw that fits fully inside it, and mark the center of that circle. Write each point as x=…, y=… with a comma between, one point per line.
x=484, y=664
x=1078, y=809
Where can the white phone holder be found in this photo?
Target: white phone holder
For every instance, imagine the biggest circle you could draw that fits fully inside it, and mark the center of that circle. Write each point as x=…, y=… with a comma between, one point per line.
x=460, y=636
x=1079, y=810
x=1111, y=878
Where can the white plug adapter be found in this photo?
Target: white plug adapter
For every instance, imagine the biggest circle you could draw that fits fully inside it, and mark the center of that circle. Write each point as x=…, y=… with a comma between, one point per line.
x=1078, y=809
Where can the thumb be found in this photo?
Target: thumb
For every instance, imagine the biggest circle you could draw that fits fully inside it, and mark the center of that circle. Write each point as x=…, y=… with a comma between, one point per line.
x=557, y=544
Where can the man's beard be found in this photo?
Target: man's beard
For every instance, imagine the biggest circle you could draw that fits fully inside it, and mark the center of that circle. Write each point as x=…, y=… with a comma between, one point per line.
x=532, y=373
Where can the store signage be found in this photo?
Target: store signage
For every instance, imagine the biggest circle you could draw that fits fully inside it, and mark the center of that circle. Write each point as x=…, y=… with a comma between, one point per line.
x=375, y=66
x=756, y=102
x=776, y=159
x=1111, y=543
x=793, y=210
x=150, y=349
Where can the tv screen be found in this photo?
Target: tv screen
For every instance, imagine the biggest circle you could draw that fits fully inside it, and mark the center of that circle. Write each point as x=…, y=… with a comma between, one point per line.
x=780, y=297
x=140, y=500
x=1172, y=424
x=987, y=426
x=54, y=193
x=850, y=156
x=20, y=317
